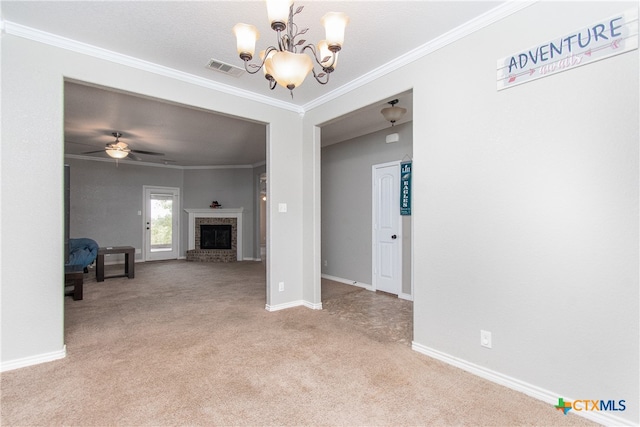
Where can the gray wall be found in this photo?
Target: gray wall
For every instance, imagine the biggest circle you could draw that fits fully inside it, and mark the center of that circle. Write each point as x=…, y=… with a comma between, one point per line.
x=528, y=210
x=32, y=134
x=525, y=209
x=347, y=199
x=260, y=223
x=232, y=188
x=105, y=199
x=525, y=201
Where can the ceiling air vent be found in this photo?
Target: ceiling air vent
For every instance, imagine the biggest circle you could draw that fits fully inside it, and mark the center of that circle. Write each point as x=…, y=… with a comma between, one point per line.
x=222, y=67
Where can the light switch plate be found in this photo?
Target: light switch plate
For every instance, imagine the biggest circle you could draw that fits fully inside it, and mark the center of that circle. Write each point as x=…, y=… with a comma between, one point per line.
x=282, y=207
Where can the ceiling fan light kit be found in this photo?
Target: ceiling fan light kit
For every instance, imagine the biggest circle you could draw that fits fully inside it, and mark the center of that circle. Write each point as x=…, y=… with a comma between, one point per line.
x=283, y=64
x=119, y=150
x=116, y=153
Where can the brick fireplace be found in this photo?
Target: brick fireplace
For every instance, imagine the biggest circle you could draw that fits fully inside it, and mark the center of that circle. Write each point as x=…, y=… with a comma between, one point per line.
x=198, y=217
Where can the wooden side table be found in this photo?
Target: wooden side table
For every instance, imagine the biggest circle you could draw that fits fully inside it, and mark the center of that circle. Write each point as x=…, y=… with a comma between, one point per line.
x=74, y=276
x=129, y=265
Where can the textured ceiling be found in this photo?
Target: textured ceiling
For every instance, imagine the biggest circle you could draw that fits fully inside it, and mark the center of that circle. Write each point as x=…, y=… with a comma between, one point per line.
x=185, y=35
x=185, y=135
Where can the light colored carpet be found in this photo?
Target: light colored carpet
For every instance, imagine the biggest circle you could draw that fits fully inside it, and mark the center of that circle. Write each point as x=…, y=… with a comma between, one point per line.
x=191, y=344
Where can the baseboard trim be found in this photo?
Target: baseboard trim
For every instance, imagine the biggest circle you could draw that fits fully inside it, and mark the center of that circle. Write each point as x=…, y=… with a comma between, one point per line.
x=517, y=385
x=347, y=281
x=292, y=304
x=284, y=306
x=313, y=306
x=408, y=297
x=33, y=360
x=250, y=259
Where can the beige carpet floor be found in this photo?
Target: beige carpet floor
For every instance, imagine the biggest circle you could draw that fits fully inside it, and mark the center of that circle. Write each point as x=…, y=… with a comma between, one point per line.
x=191, y=344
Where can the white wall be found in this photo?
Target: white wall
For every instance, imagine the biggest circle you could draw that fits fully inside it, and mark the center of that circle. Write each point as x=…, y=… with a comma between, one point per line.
x=525, y=209
x=32, y=141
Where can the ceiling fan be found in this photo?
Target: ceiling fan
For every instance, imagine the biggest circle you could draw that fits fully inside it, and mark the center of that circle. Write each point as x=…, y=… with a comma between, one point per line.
x=120, y=150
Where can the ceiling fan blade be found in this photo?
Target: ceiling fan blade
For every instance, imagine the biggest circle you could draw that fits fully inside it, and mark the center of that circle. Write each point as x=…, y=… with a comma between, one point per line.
x=149, y=153
x=93, y=152
x=134, y=157
x=80, y=143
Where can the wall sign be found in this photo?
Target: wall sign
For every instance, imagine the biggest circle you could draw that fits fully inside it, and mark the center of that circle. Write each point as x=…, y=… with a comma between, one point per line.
x=405, y=188
x=603, y=39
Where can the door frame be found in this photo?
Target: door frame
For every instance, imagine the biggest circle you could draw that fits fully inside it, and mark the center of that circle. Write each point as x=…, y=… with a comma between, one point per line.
x=176, y=218
x=374, y=285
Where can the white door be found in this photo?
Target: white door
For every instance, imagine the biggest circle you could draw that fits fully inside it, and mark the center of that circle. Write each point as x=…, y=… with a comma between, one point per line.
x=161, y=223
x=387, y=232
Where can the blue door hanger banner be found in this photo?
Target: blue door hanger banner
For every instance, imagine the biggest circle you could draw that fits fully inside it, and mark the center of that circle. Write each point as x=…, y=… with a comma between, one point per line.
x=405, y=188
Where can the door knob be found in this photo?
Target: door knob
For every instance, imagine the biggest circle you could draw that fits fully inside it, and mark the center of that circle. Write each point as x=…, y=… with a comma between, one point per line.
x=394, y=237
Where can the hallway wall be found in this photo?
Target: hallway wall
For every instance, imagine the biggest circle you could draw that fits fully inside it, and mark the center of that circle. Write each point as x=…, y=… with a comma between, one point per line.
x=347, y=201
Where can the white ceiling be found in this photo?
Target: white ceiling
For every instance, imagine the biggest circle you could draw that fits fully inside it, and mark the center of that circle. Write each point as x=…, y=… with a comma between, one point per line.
x=185, y=35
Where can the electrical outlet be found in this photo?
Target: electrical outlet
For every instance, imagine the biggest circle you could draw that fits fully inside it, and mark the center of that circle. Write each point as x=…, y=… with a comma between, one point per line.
x=485, y=339
x=281, y=287
x=325, y=263
x=138, y=250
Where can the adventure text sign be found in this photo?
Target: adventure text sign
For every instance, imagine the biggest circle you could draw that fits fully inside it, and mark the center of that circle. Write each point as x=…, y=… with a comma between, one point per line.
x=605, y=38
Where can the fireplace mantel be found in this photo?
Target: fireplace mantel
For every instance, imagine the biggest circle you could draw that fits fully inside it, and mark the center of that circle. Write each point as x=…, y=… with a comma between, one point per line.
x=215, y=213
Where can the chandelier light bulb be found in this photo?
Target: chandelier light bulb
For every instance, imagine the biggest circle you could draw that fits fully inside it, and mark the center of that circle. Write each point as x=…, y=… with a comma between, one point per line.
x=268, y=67
x=334, y=24
x=323, y=49
x=290, y=69
x=246, y=36
x=278, y=13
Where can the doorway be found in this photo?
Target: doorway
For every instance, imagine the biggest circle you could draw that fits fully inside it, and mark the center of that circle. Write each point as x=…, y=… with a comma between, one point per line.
x=161, y=228
x=386, y=228
x=262, y=226
x=347, y=159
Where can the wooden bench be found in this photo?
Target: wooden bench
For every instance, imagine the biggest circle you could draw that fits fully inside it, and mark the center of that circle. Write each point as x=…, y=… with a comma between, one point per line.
x=129, y=265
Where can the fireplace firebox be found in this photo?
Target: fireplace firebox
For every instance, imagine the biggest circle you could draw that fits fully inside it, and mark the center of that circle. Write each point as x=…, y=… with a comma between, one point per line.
x=215, y=236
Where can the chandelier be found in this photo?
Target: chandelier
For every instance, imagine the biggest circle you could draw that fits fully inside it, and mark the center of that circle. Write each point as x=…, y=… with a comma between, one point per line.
x=288, y=63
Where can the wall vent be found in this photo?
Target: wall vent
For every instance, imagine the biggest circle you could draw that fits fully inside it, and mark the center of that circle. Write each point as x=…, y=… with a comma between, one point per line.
x=225, y=68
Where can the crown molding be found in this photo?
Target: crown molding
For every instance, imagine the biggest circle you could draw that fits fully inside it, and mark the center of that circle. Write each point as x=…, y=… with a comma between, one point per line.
x=157, y=165
x=19, y=30
x=494, y=15
x=217, y=167
x=490, y=17
x=123, y=161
